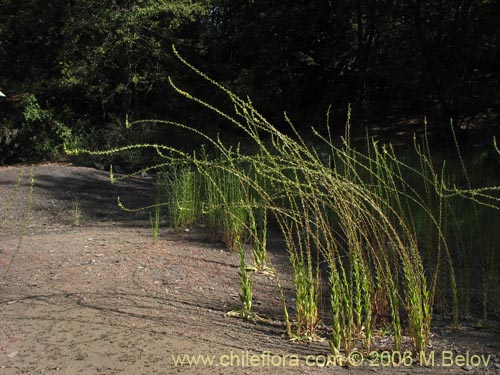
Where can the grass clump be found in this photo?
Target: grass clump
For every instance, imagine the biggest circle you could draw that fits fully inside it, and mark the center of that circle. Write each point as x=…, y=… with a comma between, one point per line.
x=77, y=212
x=246, y=295
x=225, y=206
x=155, y=219
x=258, y=232
x=184, y=199
x=388, y=228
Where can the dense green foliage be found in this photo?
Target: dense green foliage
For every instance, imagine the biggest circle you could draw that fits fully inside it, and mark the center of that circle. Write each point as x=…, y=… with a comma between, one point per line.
x=87, y=64
x=83, y=65
x=395, y=236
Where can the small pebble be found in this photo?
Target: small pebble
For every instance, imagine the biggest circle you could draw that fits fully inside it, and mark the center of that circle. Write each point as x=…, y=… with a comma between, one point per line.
x=467, y=368
x=12, y=355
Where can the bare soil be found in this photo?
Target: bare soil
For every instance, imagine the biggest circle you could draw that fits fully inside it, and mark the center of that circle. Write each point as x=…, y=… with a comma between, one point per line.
x=103, y=298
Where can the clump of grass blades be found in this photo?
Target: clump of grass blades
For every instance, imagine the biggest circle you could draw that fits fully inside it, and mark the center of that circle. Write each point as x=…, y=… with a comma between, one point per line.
x=380, y=223
x=225, y=206
x=257, y=215
x=307, y=277
x=155, y=223
x=184, y=197
x=77, y=213
x=258, y=231
x=246, y=295
x=298, y=171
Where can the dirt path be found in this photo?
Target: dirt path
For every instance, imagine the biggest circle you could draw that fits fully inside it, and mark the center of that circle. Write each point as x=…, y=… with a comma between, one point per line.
x=102, y=298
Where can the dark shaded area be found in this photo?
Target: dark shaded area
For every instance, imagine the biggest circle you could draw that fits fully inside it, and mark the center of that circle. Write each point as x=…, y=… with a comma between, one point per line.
x=98, y=197
x=72, y=71
x=59, y=188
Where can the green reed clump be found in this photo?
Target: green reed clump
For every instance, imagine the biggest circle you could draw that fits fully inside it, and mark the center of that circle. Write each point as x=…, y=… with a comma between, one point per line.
x=307, y=276
x=258, y=233
x=307, y=291
x=213, y=205
x=155, y=223
x=385, y=226
x=258, y=216
x=184, y=197
x=337, y=325
x=303, y=189
x=246, y=284
x=225, y=206
x=246, y=295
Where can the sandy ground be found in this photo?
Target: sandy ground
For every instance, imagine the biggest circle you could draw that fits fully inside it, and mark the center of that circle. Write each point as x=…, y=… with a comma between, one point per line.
x=103, y=298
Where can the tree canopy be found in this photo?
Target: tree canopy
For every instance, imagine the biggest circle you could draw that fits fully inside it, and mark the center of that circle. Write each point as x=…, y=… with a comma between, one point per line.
x=82, y=66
